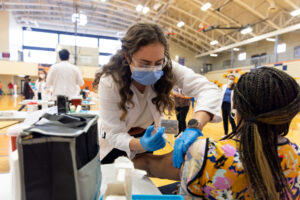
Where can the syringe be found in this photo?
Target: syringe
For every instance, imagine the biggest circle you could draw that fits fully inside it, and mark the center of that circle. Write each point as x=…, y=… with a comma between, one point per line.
x=164, y=136
x=166, y=139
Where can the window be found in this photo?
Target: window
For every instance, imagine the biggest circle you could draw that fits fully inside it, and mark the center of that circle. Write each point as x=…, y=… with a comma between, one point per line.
x=297, y=52
x=226, y=63
x=281, y=48
x=109, y=46
x=39, y=56
x=80, y=41
x=242, y=56
x=40, y=39
x=104, y=60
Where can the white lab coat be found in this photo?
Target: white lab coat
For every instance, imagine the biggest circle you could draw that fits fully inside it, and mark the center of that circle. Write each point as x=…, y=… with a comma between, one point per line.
x=65, y=79
x=114, y=132
x=41, y=88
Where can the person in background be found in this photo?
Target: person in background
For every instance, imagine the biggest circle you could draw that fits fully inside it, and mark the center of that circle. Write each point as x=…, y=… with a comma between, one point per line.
x=11, y=88
x=182, y=105
x=1, y=91
x=227, y=94
x=64, y=78
x=256, y=161
x=134, y=91
x=27, y=91
x=40, y=84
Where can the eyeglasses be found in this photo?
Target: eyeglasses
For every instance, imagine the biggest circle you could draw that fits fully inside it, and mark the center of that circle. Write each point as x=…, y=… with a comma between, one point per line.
x=140, y=65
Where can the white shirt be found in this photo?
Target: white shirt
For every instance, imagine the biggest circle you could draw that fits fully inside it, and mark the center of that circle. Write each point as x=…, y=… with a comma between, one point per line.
x=65, y=79
x=145, y=117
x=114, y=132
x=41, y=88
x=40, y=85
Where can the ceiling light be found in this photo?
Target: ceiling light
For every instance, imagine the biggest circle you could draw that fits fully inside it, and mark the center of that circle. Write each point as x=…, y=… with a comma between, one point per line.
x=270, y=39
x=103, y=0
x=80, y=18
x=145, y=10
x=180, y=24
x=214, y=42
x=213, y=55
x=139, y=8
x=295, y=12
x=246, y=30
x=236, y=49
x=206, y=6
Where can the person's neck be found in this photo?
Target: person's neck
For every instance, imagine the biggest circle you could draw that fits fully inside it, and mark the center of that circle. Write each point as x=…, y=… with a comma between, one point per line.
x=139, y=86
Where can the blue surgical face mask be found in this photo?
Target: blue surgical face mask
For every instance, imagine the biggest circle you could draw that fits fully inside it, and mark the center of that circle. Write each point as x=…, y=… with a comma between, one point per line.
x=147, y=76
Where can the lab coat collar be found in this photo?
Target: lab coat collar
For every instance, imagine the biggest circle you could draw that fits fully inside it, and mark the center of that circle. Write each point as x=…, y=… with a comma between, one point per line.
x=132, y=111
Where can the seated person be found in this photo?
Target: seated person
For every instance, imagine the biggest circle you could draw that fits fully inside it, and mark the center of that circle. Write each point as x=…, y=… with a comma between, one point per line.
x=254, y=162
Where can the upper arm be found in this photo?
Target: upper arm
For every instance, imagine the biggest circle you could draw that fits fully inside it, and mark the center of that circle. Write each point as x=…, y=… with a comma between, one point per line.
x=49, y=79
x=79, y=78
x=207, y=94
x=193, y=163
x=160, y=166
x=109, y=100
x=110, y=113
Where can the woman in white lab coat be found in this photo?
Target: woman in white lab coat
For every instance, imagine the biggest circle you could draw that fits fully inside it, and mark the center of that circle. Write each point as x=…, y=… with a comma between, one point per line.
x=40, y=85
x=134, y=91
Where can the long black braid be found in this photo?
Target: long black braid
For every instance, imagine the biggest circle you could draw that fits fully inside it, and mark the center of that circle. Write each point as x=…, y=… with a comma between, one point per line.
x=267, y=100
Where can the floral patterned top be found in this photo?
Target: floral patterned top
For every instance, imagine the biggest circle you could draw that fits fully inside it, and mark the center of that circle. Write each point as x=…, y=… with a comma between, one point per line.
x=213, y=170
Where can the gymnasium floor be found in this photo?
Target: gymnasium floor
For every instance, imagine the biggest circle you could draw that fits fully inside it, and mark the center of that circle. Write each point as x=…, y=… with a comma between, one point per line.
x=213, y=130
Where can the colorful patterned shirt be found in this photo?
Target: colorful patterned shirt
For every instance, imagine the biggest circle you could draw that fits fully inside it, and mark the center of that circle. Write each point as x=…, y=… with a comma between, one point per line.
x=213, y=170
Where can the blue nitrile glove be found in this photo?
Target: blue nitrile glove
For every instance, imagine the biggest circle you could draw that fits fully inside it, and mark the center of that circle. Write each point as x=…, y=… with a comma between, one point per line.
x=153, y=142
x=183, y=143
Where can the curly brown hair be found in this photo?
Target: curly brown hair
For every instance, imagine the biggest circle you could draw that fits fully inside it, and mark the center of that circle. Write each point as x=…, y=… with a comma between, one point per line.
x=137, y=36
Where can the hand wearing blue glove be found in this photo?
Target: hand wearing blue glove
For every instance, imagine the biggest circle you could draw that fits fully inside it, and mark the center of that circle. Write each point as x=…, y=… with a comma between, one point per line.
x=183, y=143
x=153, y=142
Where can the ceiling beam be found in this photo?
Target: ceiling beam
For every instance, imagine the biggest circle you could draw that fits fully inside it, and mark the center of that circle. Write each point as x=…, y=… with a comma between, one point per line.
x=254, y=39
x=196, y=18
x=130, y=10
x=220, y=16
x=162, y=10
x=127, y=11
x=36, y=14
x=257, y=14
x=292, y=4
x=70, y=26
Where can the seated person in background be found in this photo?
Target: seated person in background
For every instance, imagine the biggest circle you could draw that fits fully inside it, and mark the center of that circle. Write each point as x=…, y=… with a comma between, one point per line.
x=254, y=162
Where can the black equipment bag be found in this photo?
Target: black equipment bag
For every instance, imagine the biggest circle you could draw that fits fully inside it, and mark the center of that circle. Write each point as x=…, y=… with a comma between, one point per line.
x=59, y=158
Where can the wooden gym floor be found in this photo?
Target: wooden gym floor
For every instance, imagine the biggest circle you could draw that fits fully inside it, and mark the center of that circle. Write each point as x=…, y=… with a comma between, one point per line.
x=212, y=130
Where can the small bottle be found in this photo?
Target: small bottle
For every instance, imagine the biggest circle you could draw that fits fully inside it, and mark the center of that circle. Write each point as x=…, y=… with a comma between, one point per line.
x=72, y=108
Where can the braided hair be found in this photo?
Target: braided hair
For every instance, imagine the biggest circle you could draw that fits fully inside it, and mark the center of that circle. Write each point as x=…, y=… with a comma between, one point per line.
x=267, y=100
